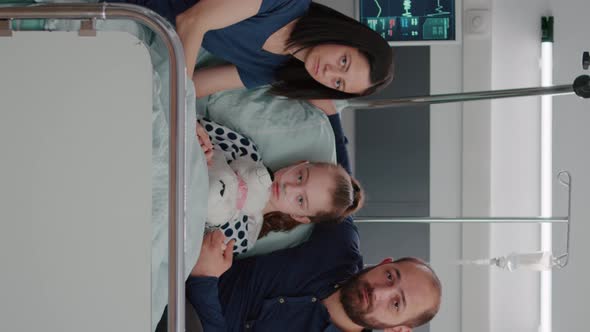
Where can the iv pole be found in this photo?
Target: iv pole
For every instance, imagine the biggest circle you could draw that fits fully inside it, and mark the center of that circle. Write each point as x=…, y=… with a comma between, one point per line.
x=581, y=87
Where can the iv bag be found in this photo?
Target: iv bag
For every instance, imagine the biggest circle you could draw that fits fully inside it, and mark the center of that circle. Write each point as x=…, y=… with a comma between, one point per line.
x=536, y=261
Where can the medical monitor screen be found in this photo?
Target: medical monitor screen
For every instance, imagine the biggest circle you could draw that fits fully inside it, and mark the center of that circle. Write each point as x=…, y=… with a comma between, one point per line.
x=410, y=20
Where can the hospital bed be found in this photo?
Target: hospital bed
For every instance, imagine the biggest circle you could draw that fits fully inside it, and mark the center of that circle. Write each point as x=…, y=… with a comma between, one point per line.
x=90, y=164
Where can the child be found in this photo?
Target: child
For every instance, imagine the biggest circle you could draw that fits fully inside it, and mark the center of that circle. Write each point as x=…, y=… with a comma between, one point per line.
x=247, y=201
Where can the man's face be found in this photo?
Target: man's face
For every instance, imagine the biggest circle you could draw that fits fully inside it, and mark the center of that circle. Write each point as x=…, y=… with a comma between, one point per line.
x=388, y=295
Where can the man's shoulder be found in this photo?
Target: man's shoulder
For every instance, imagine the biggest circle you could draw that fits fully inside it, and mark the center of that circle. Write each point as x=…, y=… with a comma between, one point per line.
x=349, y=226
x=343, y=234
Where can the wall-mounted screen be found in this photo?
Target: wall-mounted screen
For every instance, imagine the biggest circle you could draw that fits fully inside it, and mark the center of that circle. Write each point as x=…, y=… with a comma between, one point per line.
x=412, y=21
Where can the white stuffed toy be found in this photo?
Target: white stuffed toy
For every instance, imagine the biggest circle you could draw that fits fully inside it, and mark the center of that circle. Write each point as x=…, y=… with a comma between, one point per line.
x=241, y=187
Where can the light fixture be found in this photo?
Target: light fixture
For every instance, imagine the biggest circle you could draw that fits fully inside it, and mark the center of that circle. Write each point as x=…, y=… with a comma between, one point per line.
x=545, y=284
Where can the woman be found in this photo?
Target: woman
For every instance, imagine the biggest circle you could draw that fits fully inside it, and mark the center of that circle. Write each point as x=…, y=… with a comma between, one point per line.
x=305, y=50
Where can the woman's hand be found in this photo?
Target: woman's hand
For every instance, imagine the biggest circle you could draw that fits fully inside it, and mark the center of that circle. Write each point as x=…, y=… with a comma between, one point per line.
x=205, y=143
x=216, y=257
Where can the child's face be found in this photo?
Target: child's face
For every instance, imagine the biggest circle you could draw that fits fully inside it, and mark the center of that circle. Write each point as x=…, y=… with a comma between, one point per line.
x=302, y=190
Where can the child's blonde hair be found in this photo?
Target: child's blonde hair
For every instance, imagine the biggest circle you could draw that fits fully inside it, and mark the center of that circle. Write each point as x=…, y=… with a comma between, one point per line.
x=348, y=198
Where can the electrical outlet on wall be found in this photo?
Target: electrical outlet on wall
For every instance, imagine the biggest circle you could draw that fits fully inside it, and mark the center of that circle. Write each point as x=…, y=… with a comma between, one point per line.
x=477, y=22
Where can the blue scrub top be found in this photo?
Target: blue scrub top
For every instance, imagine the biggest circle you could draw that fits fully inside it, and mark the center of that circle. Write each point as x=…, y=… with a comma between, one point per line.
x=241, y=43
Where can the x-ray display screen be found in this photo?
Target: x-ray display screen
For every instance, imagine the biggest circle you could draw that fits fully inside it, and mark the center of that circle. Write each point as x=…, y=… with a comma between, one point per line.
x=410, y=20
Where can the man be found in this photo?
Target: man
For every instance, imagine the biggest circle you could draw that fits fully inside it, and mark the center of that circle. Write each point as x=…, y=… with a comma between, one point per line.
x=316, y=286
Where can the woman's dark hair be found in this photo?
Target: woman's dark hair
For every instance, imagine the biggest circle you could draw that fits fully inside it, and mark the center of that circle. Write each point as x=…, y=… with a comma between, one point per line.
x=323, y=25
x=348, y=197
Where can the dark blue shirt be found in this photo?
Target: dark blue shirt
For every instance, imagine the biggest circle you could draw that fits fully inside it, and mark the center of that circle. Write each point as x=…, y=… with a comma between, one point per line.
x=241, y=43
x=282, y=291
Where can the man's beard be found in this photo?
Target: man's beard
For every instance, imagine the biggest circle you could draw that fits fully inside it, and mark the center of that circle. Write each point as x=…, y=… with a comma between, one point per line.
x=351, y=299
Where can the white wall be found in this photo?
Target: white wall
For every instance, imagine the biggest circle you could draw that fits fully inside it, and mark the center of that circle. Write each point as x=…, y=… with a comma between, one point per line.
x=514, y=299
x=344, y=6
x=514, y=159
x=445, y=182
x=571, y=137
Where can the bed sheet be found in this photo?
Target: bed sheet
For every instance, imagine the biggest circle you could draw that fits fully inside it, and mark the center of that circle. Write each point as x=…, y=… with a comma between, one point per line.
x=196, y=186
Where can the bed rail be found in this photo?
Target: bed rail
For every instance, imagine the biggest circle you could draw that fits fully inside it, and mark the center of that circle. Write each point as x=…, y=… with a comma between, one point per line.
x=87, y=11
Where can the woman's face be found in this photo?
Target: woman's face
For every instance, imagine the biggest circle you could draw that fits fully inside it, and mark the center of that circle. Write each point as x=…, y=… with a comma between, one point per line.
x=339, y=67
x=302, y=190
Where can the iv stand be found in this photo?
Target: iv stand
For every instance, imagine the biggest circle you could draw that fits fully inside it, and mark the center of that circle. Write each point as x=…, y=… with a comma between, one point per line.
x=564, y=179
x=580, y=86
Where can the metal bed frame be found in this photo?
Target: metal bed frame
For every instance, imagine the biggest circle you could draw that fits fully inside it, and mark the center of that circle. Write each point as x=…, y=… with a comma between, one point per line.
x=89, y=13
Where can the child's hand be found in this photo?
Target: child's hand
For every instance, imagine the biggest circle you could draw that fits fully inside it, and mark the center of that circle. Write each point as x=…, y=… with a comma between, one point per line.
x=205, y=143
x=216, y=257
